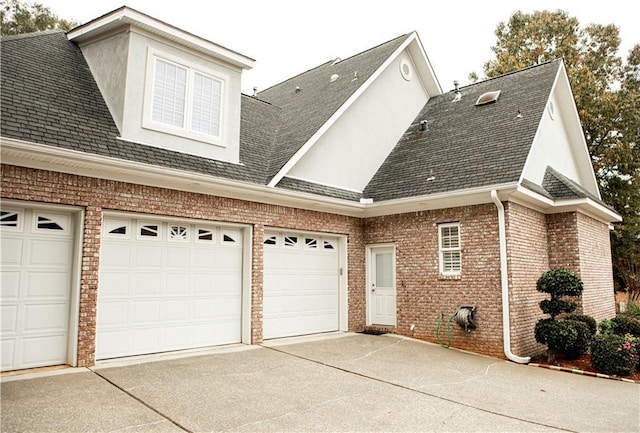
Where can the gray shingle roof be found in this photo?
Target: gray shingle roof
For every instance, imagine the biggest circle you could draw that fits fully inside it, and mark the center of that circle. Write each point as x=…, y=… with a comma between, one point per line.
x=306, y=110
x=468, y=146
x=49, y=96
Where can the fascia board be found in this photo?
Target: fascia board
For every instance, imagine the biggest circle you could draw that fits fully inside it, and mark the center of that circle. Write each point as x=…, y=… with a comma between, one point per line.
x=546, y=205
x=339, y=112
x=128, y=16
x=33, y=155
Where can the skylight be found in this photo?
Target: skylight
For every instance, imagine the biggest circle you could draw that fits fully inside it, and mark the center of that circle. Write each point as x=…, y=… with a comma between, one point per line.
x=488, y=97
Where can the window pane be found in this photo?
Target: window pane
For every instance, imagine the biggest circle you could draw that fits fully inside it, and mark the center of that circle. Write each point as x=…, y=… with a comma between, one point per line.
x=169, y=94
x=205, y=116
x=384, y=270
x=450, y=238
x=451, y=261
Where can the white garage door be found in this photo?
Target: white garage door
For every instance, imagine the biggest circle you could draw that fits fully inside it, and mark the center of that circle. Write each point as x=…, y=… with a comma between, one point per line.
x=167, y=285
x=37, y=255
x=301, y=284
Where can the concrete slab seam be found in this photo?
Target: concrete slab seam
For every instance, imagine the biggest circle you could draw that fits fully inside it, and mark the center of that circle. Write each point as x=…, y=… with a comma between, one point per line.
x=418, y=391
x=181, y=427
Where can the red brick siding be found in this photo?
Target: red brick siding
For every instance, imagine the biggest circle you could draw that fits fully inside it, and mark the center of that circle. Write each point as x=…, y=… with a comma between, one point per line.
x=564, y=251
x=598, y=297
x=423, y=295
x=96, y=195
x=527, y=261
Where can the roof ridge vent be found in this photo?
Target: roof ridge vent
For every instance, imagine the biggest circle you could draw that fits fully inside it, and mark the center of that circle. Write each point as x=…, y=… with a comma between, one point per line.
x=488, y=97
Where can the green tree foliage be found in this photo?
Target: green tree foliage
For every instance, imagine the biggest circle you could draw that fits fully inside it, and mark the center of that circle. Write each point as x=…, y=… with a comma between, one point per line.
x=607, y=94
x=17, y=18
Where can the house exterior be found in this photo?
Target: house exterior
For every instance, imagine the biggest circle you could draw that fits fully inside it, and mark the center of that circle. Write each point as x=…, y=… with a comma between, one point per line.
x=148, y=206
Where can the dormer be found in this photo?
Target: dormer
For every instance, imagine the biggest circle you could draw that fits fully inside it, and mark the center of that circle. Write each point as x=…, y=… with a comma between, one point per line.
x=165, y=87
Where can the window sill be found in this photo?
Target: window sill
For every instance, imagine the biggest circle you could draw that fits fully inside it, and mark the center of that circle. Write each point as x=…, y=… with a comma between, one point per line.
x=449, y=277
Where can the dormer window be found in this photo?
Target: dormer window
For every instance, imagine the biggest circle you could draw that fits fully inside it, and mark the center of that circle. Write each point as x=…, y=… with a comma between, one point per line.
x=183, y=99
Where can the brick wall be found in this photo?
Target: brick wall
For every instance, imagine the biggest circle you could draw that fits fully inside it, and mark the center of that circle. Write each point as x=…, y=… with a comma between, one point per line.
x=598, y=297
x=527, y=260
x=96, y=195
x=423, y=295
x=581, y=244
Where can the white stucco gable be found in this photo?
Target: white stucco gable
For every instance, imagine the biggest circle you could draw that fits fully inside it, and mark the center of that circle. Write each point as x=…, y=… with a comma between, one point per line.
x=559, y=141
x=165, y=87
x=349, y=148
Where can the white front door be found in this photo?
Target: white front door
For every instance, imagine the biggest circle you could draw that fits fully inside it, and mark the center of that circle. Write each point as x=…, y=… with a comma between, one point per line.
x=37, y=257
x=382, y=285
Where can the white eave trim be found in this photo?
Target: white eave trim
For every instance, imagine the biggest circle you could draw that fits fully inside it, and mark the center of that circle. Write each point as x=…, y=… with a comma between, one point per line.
x=547, y=205
x=38, y=156
x=334, y=118
x=128, y=16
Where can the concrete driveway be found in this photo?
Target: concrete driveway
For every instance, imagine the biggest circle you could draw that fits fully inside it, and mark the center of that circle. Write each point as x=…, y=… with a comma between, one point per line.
x=341, y=382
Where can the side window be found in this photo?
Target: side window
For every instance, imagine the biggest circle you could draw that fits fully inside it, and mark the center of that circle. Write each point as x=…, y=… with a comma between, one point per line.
x=449, y=249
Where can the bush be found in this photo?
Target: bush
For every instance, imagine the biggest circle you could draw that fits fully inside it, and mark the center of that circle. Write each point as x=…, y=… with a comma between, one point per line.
x=607, y=326
x=569, y=337
x=559, y=282
x=614, y=354
x=587, y=320
x=626, y=325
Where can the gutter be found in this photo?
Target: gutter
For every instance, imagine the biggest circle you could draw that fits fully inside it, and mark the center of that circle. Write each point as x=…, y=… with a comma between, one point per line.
x=504, y=283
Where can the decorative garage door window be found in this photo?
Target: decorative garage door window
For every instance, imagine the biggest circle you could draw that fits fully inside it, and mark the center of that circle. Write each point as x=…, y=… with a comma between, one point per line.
x=178, y=233
x=10, y=219
x=52, y=221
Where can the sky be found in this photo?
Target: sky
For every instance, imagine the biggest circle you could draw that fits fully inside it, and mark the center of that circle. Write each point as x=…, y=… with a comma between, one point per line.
x=288, y=37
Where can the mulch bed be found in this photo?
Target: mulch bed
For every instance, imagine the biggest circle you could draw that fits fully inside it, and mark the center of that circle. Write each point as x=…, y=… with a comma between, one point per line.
x=581, y=365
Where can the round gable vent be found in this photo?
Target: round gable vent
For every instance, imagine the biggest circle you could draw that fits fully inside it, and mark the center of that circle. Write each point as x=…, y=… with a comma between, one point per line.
x=405, y=69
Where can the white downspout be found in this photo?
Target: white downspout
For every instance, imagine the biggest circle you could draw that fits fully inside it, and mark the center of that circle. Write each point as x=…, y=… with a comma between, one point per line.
x=504, y=283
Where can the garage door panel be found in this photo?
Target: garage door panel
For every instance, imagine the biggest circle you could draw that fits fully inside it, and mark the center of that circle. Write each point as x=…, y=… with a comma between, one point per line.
x=185, y=292
x=10, y=283
x=175, y=310
x=113, y=313
x=9, y=319
x=8, y=348
x=53, y=253
x=146, y=284
x=51, y=285
x=146, y=312
x=148, y=256
x=11, y=252
x=177, y=284
x=115, y=255
x=48, y=317
x=43, y=350
x=178, y=258
x=113, y=285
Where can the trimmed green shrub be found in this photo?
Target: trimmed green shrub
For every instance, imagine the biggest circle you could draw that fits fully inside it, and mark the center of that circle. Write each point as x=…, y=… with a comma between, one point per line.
x=569, y=337
x=614, y=354
x=587, y=320
x=626, y=325
x=560, y=282
x=607, y=326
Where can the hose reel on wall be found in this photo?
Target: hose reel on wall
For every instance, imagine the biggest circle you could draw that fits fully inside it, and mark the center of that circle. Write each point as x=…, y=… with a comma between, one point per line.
x=464, y=317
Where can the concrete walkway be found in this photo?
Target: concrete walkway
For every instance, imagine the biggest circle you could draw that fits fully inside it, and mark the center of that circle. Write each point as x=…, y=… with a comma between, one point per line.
x=340, y=382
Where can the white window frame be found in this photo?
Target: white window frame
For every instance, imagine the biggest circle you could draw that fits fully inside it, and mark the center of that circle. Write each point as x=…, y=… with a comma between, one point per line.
x=191, y=69
x=442, y=250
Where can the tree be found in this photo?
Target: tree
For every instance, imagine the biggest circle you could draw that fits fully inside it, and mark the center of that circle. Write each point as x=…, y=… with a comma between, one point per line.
x=17, y=18
x=607, y=94
x=568, y=337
